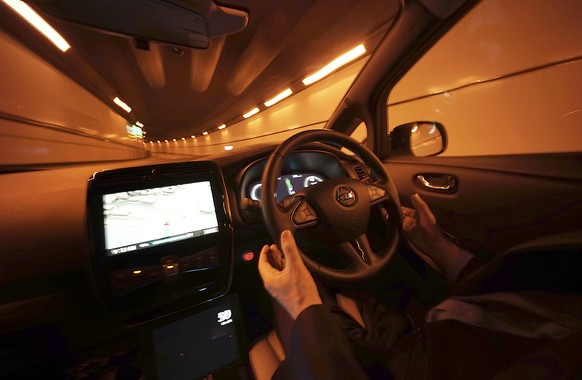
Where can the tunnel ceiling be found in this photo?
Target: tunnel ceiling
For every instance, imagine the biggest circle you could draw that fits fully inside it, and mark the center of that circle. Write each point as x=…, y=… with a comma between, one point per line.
x=179, y=92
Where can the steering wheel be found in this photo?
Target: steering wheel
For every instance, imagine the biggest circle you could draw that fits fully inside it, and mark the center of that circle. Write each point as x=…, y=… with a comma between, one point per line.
x=335, y=212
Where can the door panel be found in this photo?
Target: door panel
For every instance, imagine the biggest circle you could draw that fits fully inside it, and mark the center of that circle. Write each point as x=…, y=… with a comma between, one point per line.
x=511, y=109
x=500, y=202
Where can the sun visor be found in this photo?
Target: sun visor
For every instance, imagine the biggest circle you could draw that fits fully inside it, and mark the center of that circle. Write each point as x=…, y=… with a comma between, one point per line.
x=150, y=20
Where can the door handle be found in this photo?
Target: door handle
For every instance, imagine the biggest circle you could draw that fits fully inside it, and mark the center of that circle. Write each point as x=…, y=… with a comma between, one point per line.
x=442, y=183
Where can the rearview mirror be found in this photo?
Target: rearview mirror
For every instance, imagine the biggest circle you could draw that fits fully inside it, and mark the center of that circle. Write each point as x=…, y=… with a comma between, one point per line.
x=418, y=139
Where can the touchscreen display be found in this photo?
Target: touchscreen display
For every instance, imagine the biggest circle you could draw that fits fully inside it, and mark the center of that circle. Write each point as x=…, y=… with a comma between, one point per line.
x=141, y=219
x=197, y=345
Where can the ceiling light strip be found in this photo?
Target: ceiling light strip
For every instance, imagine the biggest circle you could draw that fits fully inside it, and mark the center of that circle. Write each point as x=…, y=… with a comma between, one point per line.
x=40, y=24
x=279, y=97
x=122, y=104
x=252, y=112
x=340, y=61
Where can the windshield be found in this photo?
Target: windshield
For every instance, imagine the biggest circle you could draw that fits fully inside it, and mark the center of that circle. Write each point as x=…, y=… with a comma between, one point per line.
x=90, y=100
x=309, y=109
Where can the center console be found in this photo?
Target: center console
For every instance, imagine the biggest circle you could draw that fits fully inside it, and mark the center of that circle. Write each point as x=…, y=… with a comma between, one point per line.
x=160, y=238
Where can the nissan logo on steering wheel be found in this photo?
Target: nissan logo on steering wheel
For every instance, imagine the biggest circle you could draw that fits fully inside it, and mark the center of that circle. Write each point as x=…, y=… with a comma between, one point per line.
x=345, y=196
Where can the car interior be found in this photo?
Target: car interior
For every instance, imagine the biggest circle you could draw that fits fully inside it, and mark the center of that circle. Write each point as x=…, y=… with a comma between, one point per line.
x=151, y=148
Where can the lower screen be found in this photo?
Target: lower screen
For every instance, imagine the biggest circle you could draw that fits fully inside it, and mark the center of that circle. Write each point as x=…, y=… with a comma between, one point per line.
x=195, y=346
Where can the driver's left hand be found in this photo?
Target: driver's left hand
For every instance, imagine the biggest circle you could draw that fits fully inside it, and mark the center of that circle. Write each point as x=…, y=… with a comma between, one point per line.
x=421, y=227
x=286, y=277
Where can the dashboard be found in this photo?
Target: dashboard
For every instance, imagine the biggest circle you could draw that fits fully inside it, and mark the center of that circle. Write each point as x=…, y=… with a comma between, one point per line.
x=162, y=236
x=143, y=251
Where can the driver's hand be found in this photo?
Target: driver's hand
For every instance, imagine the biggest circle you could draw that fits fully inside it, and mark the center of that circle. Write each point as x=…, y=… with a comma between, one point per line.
x=286, y=278
x=420, y=226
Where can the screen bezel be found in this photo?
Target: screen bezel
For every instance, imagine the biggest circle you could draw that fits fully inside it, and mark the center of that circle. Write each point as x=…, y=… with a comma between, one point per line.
x=102, y=184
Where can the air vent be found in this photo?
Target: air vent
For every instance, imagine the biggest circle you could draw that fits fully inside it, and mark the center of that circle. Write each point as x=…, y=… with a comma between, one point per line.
x=174, y=170
x=361, y=173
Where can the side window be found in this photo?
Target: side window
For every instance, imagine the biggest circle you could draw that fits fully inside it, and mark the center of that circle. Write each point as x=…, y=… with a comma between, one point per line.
x=506, y=80
x=360, y=133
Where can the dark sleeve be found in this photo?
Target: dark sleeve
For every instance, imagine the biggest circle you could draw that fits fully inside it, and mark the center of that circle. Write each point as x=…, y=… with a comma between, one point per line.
x=471, y=267
x=319, y=349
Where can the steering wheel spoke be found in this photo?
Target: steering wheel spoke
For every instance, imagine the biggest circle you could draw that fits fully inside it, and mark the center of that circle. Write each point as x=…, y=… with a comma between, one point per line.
x=359, y=252
x=303, y=215
x=377, y=193
x=295, y=213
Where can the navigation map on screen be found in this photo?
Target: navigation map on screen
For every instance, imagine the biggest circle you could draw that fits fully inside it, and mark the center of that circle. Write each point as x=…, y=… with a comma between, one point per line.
x=144, y=218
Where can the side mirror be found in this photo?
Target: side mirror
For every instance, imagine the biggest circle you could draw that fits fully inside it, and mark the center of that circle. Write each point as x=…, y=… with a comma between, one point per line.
x=418, y=139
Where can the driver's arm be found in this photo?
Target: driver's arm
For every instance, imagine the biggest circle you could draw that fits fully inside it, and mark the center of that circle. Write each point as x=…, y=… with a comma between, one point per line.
x=318, y=347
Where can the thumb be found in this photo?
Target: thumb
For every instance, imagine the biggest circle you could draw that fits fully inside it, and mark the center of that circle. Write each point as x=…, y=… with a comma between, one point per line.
x=289, y=247
x=422, y=208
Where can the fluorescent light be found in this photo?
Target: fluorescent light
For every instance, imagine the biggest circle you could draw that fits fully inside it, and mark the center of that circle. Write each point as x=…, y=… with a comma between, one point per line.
x=205, y=133
x=222, y=126
x=335, y=64
x=252, y=112
x=139, y=124
x=38, y=23
x=228, y=147
x=279, y=97
x=121, y=104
